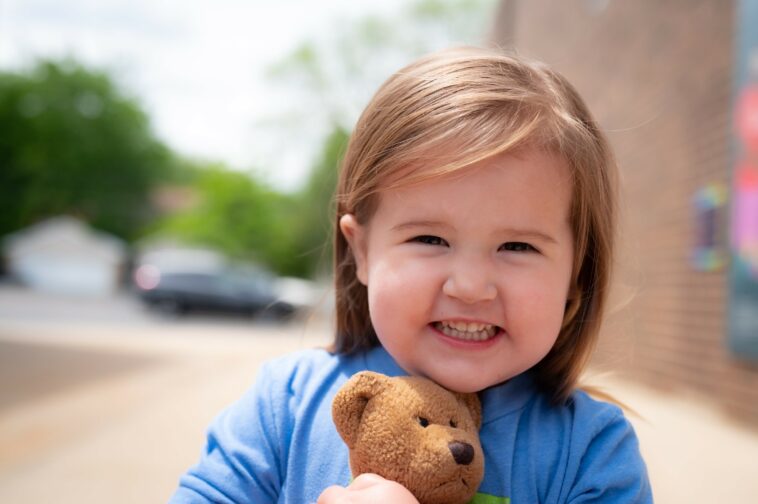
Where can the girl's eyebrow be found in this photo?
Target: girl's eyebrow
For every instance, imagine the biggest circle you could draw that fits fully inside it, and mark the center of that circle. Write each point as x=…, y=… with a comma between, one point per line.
x=526, y=234
x=420, y=223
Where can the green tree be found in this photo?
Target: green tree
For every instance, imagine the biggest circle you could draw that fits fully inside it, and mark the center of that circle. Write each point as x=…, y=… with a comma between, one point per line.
x=332, y=79
x=71, y=142
x=316, y=206
x=238, y=215
x=244, y=218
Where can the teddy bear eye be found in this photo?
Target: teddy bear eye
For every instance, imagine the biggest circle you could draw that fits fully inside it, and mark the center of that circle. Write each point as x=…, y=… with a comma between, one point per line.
x=423, y=422
x=453, y=424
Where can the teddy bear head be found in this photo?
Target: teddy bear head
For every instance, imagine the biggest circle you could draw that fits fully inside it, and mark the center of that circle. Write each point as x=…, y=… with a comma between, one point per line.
x=414, y=432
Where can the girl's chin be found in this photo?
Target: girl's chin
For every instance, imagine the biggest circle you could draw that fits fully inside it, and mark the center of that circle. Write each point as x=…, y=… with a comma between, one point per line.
x=465, y=378
x=464, y=386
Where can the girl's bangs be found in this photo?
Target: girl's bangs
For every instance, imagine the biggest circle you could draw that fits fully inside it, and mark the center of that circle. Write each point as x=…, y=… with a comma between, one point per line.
x=449, y=150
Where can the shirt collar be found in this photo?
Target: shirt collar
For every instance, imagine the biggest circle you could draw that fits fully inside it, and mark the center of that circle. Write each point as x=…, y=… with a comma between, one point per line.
x=505, y=398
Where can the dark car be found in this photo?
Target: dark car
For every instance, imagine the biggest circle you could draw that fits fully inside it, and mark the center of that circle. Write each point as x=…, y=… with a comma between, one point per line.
x=232, y=290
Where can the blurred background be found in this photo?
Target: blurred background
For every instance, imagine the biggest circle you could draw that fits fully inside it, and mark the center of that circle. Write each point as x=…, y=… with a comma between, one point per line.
x=166, y=173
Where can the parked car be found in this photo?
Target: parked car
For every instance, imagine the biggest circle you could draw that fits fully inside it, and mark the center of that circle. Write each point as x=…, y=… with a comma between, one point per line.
x=234, y=289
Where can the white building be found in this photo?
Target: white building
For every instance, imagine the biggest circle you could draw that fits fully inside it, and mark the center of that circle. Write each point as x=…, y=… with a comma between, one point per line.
x=65, y=255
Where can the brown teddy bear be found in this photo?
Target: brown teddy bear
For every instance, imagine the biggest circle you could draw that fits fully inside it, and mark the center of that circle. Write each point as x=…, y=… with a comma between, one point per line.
x=412, y=431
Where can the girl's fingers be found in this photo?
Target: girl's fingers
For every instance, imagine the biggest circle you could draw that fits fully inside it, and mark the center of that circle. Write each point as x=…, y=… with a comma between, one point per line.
x=367, y=489
x=333, y=495
x=366, y=480
x=336, y=494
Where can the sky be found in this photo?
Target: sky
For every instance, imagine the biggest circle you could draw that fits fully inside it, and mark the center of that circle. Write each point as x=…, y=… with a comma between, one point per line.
x=198, y=68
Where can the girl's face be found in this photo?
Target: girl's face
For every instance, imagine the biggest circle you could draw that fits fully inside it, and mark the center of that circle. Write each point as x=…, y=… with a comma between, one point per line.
x=468, y=274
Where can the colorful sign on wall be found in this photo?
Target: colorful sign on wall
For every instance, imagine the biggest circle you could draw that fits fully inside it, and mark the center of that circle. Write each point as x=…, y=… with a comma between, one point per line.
x=743, y=274
x=709, y=252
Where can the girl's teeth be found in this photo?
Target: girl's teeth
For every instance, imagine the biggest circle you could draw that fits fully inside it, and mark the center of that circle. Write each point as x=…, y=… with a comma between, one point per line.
x=470, y=331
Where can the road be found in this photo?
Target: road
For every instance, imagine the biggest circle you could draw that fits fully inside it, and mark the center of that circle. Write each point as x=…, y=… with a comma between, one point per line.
x=101, y=402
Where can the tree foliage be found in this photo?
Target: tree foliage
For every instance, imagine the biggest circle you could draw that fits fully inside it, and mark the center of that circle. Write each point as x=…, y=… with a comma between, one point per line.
x=73, y=143
x=244, y=218
x=316, y=206
x=342, y=71
x=235, y=214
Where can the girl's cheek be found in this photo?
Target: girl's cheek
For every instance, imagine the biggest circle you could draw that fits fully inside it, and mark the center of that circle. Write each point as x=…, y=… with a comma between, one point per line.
x=401, y=276
x=394, y=266
x=398, y=284
x=544, y=305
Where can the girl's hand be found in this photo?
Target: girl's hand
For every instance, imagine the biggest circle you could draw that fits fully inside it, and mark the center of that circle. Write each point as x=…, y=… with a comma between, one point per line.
x=368, y=489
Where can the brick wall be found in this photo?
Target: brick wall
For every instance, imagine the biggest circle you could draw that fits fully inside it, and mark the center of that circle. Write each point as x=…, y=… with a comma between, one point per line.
x=658, y=77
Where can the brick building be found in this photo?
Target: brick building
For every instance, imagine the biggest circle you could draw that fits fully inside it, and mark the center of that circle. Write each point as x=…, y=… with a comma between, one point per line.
x=659, y=78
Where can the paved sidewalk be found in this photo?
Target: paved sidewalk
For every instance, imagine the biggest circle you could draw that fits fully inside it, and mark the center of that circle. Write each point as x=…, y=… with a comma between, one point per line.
x=694, y=452
x=126, y=436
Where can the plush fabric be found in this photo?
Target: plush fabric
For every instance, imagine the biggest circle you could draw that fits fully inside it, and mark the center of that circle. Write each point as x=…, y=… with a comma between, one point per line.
x=412, y=431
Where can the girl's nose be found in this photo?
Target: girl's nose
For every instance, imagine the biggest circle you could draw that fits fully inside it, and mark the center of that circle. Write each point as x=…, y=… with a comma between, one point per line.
x=470, y=283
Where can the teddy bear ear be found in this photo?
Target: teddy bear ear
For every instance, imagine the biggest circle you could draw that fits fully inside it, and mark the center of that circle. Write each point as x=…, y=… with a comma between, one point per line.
x=351, y=400
x=474, y=406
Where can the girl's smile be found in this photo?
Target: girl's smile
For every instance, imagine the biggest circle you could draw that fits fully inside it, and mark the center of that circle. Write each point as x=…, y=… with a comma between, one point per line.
x=468, y=274
x=467, y=331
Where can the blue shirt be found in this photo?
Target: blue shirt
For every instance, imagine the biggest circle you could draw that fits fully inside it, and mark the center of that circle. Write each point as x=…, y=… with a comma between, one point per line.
x=278, y=442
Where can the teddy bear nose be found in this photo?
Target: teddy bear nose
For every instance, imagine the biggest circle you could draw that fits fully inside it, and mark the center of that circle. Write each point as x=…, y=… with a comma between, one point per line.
x=463, y=453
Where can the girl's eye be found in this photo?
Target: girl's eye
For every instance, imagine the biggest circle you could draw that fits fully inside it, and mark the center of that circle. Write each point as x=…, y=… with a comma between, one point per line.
x=517, y=247
x=429, y=240
x=423, y=422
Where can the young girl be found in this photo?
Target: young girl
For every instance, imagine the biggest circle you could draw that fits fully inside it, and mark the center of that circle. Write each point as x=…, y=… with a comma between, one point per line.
x=475, y=224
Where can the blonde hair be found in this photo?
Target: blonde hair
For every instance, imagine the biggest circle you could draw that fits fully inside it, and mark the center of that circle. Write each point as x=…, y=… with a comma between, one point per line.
x=478, y=103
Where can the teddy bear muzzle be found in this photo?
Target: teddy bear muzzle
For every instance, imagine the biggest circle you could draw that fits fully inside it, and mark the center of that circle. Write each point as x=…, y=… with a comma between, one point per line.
x=463, y=453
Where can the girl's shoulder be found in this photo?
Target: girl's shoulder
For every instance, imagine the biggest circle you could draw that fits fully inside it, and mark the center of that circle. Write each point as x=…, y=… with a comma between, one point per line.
x=317, y=370
x=582, y=425
x=520, y=396
x=321, y=364
x=294, y=371
x=584, y=446
x=287, y=366
x=584, y=406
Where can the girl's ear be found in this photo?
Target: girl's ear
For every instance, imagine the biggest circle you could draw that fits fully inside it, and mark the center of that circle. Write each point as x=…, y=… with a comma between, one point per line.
x=355, y=234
